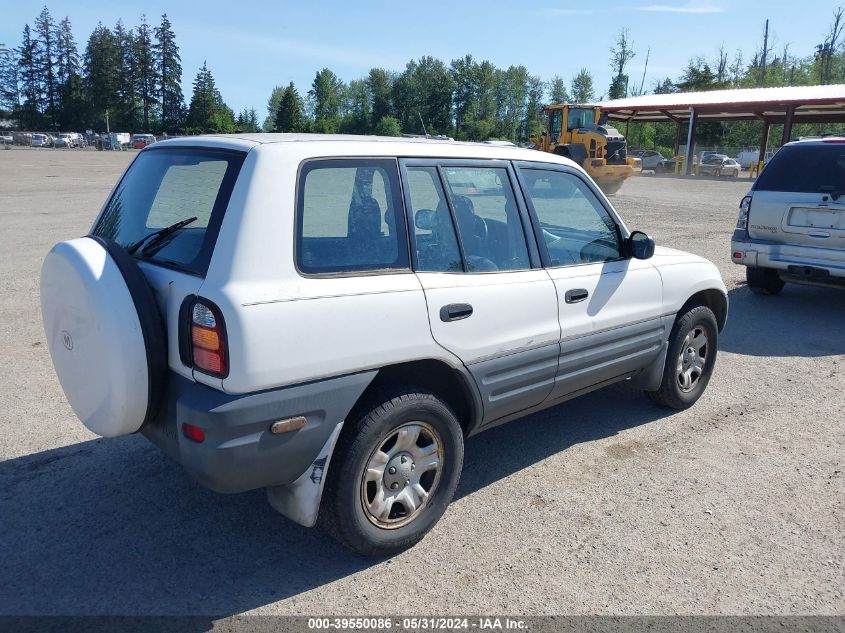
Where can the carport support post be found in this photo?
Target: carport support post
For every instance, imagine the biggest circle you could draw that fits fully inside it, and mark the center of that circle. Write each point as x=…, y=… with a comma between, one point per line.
x=677, y=138
x=690, y=142
x=787, y=125
x=764, y=142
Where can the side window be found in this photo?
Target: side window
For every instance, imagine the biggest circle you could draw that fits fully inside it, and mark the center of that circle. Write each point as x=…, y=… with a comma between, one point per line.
x=350, y=217
x=489, y=225
x=576, y=228
x=556, y=123
x=434, y=233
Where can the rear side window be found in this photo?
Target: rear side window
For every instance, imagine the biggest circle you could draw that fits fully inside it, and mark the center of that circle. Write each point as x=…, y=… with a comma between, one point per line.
x=350, y=217
x=163, y=187
x=805, y=169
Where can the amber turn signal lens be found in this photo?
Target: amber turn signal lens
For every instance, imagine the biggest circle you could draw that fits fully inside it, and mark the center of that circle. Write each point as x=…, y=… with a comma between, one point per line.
x=205, y=338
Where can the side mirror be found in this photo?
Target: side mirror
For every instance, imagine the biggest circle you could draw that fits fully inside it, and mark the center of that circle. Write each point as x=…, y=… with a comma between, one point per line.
x=640, y=245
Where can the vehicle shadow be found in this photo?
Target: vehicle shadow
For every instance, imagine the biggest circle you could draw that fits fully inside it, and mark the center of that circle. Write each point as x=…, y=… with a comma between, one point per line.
x=114, y=527
x=800, y=321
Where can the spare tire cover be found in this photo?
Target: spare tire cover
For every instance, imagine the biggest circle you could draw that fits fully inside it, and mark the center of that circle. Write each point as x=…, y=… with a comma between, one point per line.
x=104, y=333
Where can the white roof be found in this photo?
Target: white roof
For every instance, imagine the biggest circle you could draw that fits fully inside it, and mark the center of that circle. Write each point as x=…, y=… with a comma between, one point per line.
x=810, y=102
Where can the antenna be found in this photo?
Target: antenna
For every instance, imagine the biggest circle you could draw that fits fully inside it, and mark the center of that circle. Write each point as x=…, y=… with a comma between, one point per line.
x=423, y=124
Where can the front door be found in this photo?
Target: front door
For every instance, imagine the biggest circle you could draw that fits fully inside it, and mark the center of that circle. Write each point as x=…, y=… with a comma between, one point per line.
x=489, y=301
x=609, y=305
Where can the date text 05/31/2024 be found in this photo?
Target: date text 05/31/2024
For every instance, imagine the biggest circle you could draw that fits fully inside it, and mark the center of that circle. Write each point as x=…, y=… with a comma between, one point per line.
x=417, y=624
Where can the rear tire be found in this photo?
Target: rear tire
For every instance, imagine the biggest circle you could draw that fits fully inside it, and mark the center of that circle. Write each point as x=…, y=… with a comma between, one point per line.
x=690, y=359
x=763, y=281
x=383, y=493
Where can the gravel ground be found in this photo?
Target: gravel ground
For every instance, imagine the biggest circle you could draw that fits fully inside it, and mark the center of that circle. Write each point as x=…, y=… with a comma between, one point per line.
x=606, y=504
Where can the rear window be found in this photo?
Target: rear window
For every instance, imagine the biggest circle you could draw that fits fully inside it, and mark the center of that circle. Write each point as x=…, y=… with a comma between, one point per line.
x=163, y=187
x=805, y=169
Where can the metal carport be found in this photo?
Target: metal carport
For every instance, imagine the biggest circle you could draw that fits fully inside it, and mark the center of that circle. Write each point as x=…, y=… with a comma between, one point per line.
x=786, y=105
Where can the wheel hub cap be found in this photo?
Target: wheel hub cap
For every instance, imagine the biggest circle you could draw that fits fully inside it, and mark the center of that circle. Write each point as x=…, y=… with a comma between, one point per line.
x=692, y=359
x=401, y=475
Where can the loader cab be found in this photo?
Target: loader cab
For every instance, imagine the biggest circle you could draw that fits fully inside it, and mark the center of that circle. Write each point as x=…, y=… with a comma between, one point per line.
x=580, y=118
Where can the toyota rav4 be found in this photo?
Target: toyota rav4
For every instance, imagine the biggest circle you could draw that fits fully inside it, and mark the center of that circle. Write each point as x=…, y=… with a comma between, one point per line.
x=330, y=317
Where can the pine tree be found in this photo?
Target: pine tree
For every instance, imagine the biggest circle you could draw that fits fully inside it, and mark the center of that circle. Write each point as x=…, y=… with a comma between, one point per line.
x=208, y=112
x=289, y=115
x=379, y=84
x=67, y=54
x=582, y=87
x=557, y=90
x=145, y=71
x=169, y=71
x=127, y=99
x=45, y=29
x=9, y=90
x=28, y=76
x=102, y=57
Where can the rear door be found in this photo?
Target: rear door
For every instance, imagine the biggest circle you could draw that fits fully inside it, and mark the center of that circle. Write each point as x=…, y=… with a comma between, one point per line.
x=610, y=305
x=489, y=301
x=799, y=197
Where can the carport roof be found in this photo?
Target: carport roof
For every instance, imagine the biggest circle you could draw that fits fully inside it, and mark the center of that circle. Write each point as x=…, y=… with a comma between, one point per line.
x=812, y=104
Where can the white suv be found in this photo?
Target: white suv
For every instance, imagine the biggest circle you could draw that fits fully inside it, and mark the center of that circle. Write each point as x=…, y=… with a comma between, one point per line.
x=791, y=225
x=329, y=317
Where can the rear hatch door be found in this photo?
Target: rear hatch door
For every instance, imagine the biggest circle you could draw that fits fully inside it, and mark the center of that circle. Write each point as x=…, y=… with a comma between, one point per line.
x=799, y=198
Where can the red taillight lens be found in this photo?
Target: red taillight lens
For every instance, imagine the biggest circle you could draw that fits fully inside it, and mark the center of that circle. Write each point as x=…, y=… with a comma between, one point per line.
x=208, y=339
x=192, y=432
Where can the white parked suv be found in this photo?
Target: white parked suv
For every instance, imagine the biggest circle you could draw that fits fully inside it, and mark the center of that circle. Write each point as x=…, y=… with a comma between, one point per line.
x=328, y=317
x=791, y=225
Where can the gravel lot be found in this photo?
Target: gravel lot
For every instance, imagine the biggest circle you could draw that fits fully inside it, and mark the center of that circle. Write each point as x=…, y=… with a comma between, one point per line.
x=606, y=504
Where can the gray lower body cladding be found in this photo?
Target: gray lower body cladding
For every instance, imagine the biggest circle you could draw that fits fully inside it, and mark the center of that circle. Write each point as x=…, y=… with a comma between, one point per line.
x=239, y=452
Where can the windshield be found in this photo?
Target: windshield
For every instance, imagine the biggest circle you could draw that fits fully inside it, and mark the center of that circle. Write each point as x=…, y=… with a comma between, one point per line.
x=581, y=117
x=163, y=187
x=805, y=169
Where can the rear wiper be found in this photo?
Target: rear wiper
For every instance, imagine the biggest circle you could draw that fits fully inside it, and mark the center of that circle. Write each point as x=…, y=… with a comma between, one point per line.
x=831, y=191
x=157, y=237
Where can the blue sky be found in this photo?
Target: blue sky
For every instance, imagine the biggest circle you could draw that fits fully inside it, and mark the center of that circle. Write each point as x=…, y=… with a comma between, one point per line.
x=252, y=46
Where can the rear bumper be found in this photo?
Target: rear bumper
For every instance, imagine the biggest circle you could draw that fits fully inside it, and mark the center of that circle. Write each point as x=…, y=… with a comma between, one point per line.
x=239, y=452
x=789, y=259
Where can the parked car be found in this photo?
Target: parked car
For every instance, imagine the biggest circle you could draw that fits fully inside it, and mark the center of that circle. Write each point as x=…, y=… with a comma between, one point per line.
x=748, y=156
x=720, y=165
x=791, y=225
x=6, y=138
x=140, y=141
x=302, y=314
x=39, y=140
x=650, y=159
x=64, y=139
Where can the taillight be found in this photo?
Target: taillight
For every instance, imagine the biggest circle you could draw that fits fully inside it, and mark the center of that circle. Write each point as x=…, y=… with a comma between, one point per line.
x=744, y=208
x=208, y=339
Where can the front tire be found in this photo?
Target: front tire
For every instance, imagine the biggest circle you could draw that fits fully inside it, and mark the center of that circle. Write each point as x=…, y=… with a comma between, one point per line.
x=689, y=360
x=763, y=281
x=394, y=471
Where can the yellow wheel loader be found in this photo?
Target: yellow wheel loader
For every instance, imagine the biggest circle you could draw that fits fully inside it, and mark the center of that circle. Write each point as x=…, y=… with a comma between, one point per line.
x=579, y=132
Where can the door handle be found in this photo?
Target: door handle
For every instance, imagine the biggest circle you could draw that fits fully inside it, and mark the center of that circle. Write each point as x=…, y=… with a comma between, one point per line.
x=576, y=294
x=455, y=312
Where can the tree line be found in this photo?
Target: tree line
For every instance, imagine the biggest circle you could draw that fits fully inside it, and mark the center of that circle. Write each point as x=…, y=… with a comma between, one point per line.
x=136, y=75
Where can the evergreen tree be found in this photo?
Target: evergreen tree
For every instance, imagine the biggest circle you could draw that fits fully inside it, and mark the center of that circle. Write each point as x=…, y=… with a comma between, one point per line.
x=289, y=115
x=127, y=99
x=169, y=74
x=379, y=83
x=28, y=77
x=145, y=72
x=247, y=121
x=102, y=57
x=557, y=90
x=9, y=91
x=45, y=61
x=207, y=112
x=67, y=54
x=582, y=87
x=326, y=96
x=273, y=104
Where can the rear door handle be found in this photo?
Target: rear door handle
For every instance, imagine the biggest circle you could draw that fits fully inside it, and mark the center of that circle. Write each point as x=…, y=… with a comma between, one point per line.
x=576, y=294
x=455, y=312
